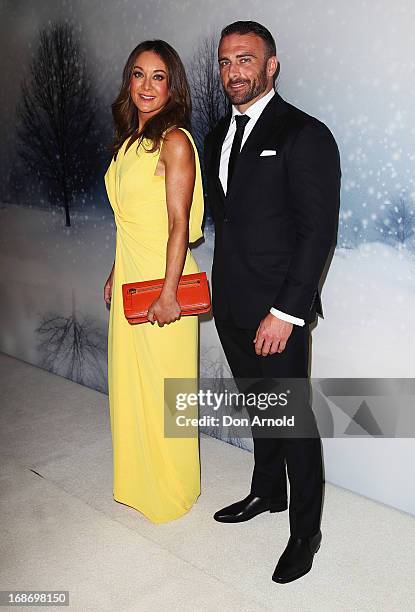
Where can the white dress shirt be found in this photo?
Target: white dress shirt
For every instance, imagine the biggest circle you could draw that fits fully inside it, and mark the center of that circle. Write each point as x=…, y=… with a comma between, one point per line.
x=253, y=112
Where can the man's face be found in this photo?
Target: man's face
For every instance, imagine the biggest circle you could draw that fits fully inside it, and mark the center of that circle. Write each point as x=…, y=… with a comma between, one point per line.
x=244, y=71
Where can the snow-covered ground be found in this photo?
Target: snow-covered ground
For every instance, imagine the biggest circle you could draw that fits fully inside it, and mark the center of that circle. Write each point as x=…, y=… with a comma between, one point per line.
x=49, y=270
x=368, y=296
x=369, y=304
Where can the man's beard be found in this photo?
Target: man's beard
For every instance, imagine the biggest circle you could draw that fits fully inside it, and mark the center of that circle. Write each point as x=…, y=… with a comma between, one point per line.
x=257, y=87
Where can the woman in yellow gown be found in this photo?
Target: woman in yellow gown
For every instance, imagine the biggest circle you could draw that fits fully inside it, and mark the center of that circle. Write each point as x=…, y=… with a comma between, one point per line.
x=155, y=190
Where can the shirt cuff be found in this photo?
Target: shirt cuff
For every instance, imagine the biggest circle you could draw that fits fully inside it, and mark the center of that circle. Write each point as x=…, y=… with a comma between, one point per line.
x=286, y=317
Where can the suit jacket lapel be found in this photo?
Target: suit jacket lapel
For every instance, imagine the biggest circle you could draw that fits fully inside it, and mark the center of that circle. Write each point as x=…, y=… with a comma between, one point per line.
x=269, y=124
x=268, y=120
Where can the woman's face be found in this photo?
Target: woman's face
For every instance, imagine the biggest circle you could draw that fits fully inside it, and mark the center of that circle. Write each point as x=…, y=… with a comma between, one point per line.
x=148, y=84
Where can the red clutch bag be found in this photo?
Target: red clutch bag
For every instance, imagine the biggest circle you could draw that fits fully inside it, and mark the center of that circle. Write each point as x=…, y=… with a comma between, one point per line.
x=192, y=294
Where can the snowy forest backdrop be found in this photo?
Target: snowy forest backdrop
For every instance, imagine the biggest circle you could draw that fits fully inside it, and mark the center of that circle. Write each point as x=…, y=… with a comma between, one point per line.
x=350, y=65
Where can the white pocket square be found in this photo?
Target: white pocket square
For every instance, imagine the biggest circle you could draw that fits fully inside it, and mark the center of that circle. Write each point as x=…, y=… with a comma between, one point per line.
x=266, y=153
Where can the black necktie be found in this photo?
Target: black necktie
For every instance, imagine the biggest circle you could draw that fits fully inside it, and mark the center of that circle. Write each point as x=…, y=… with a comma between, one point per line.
x=241, y=121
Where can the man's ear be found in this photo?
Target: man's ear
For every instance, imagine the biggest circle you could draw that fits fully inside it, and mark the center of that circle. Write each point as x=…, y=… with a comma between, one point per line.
x=272, y=65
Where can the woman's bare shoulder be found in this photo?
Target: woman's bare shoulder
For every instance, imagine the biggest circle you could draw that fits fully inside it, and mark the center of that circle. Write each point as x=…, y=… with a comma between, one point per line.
x=177, y=143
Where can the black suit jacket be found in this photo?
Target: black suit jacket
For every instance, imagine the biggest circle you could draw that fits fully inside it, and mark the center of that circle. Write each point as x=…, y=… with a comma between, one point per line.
x=277, y=224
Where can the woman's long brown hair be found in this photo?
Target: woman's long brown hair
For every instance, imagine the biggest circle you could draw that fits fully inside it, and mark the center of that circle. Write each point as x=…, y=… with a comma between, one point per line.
x=177, y=111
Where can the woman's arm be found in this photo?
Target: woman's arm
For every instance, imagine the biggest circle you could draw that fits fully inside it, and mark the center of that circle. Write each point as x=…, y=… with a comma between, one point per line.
x=178, y=159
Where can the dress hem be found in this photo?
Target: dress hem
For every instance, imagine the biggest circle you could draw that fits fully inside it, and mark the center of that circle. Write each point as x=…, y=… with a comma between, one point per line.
x=155, y=521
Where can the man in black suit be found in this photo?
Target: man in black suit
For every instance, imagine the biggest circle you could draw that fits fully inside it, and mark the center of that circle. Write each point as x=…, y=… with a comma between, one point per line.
x=273, y=185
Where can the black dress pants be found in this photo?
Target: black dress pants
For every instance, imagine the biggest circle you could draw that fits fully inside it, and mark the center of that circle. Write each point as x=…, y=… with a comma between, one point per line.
x=301, y=456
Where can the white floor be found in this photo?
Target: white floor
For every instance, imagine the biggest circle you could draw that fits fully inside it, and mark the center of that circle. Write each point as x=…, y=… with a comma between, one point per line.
x=62, y=530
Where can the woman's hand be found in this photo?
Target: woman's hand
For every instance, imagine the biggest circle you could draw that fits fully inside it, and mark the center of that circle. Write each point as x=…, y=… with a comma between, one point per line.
x=164, y=310
x=108, y=288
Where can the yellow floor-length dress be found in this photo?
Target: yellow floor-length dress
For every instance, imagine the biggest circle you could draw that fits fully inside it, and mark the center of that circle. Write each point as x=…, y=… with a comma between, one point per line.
x=157, y=475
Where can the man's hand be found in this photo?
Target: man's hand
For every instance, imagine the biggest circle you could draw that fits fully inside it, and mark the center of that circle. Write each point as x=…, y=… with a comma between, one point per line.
x=272, y=335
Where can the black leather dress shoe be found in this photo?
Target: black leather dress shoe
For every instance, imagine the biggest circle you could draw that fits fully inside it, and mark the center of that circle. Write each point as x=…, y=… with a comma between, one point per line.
x=297, y=558
x=248, y=508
